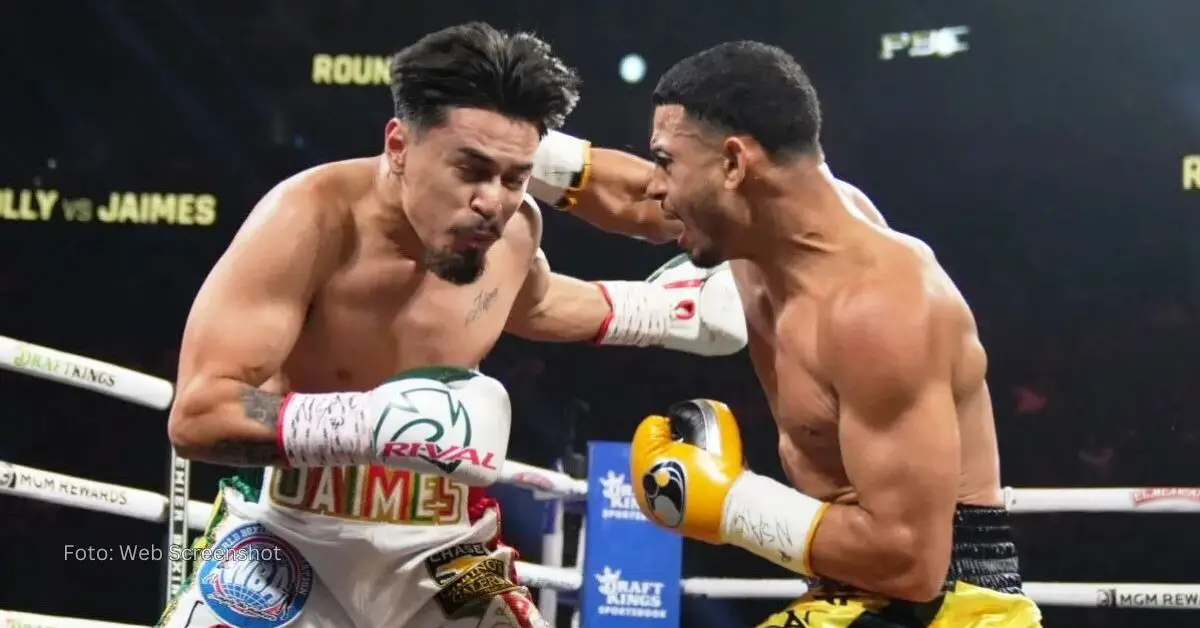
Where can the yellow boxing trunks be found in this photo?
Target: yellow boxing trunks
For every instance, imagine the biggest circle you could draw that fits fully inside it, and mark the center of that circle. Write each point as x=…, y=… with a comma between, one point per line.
x=983, y=588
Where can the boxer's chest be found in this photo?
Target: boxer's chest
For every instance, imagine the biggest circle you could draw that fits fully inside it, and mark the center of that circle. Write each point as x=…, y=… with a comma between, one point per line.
x=382, y=316
x=783, y=348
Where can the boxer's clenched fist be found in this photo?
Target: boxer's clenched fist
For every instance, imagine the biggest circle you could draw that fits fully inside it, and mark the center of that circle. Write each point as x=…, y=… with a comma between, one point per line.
x=689, y=476
x=683, y=466
x=679, y=307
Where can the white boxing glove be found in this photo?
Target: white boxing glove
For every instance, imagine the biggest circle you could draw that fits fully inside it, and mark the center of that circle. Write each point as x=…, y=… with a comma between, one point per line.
x=560, y=169
x=447, y=421
x=679, y=307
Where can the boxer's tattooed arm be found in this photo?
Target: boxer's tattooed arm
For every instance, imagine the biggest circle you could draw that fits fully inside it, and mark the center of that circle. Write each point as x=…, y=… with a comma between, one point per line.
x=261, y=407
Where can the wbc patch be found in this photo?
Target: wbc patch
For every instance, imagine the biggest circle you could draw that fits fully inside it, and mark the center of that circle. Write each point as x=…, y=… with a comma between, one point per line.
x=254, y=579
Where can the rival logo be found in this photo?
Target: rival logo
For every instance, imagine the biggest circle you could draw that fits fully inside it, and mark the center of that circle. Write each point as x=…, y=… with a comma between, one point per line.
x=439, y=456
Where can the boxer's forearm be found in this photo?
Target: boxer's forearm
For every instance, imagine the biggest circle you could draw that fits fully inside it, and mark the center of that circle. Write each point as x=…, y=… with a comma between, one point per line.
x=227, y=422
x=614, y=198
x=852, y=546
x=570, y=310
x=840, y=542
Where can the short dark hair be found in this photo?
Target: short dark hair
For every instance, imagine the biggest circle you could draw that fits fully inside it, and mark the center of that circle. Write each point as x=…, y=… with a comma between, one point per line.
x=474, y=65
x=751, y=88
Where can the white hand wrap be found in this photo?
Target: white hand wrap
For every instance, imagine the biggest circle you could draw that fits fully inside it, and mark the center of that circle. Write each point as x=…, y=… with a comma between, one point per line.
x=641, y=314
x=772, y=520
x=328, y=430
x=682, y=308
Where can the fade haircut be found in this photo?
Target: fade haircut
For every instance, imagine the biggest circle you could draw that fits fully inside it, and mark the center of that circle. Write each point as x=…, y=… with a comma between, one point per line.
x=748, y=88
x=474, y=65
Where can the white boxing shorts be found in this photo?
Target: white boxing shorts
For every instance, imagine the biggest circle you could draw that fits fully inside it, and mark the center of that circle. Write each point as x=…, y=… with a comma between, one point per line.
x=351, y=547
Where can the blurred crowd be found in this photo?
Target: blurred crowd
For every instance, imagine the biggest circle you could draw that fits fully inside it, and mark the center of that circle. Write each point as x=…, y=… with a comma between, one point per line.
x=1105, y=401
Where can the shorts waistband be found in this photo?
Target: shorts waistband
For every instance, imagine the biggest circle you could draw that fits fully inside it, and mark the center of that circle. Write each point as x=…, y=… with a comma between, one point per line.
x=372, y=493
x=984, y=554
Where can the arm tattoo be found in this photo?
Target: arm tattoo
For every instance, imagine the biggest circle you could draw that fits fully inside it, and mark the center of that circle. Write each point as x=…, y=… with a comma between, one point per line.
x=240, y=453
x=260, y=407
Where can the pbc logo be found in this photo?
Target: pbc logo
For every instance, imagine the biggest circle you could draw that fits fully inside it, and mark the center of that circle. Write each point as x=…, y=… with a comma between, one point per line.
x=665, y=486
x=939, y=42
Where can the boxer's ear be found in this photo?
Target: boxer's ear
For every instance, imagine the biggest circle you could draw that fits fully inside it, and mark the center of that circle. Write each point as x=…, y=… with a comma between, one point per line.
x=396, y=139
x=736, y=157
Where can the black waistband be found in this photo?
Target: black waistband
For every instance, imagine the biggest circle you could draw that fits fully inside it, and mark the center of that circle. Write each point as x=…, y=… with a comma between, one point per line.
x=984, y=554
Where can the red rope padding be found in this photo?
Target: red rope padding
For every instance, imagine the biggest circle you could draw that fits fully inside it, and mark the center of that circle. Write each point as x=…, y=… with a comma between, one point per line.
x=478, y=504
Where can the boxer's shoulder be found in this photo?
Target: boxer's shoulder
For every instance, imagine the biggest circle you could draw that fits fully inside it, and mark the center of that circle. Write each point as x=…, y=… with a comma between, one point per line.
x=524, y=232
x=898, y=309
x=324, y=194
x=532, y=215
x=307, y=211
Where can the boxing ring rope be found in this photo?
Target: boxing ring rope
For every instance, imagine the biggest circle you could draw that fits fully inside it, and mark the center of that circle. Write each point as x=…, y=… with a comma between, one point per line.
x=76, y=492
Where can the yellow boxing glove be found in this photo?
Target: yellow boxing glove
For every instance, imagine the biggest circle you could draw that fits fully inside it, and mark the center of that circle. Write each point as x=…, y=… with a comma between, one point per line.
x=689, y=476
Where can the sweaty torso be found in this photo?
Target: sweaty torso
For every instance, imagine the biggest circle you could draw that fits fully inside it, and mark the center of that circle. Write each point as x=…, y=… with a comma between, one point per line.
x=377, y=314
x=784, y=350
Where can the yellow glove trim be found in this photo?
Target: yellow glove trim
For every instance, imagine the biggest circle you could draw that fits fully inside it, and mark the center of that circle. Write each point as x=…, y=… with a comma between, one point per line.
x=806, y=561
x=569, y=196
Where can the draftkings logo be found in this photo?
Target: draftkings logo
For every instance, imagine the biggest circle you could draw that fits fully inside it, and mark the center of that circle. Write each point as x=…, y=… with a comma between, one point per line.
x=621, y=502
x=629, y=598
x=31, y=360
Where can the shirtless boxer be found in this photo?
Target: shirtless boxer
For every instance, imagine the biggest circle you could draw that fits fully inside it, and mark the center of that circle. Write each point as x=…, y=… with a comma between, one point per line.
x=866, y=350
x=413, y=262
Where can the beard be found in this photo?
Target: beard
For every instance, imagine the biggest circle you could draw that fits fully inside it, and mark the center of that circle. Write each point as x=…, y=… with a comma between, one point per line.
x=457, y=267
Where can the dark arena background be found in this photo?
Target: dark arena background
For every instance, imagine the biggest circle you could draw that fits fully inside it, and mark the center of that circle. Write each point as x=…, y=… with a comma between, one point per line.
x=1048, y=151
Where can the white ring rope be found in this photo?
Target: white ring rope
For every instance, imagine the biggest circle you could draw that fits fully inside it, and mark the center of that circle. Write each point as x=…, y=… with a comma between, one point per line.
x=145, y=505
x=76, y=370
x=67, y=490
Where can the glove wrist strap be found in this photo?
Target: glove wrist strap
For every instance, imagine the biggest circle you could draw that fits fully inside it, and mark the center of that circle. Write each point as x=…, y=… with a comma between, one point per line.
x=640, y=316
x=326, y=430
x=772, y=520
x=561, y=168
